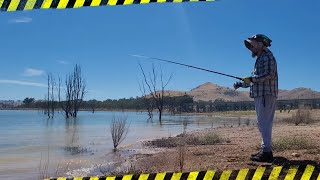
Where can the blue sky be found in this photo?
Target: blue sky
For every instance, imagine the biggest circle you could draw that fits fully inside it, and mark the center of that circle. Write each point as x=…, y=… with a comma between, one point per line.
x=205, y=34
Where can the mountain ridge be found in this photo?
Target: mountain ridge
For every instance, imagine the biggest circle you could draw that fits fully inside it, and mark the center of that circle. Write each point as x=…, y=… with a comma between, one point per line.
x=209, y=91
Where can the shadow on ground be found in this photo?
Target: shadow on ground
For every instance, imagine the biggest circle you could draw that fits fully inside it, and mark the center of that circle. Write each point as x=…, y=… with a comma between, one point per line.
x=287, y=164
x=282, y=161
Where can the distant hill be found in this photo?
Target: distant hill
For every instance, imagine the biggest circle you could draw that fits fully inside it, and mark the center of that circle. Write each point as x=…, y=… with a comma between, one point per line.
x=210, y=91
x=299, y=93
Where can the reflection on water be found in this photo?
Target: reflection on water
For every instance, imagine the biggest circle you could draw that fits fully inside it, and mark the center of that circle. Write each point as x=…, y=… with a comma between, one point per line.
x=80, y=142
x=72, y=142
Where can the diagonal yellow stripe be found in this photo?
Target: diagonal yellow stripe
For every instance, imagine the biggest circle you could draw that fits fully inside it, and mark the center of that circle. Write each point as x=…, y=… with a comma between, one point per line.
x=1, y=2
x=275, y=173
x=112, y=2
x=177, y=1
x=127, y=177
x=62, y=178
x=62, y=4
x=291, y=173
x=13, y=5
x=176, y=176
x=259, y=173
x=161, y=1
x=128, y=2
x=242, y=174
x=95, y=3
x=111, y=178
x=144, y=1
x=77, y=178
x=193, y=175
x=143, y=177
x=307, y=172
x=209, y=175
x=225, y=175
x=30, y=4
x=78, y=3
x=160, y=176
x=94, y=178
x=46, y=4
x=318, y=177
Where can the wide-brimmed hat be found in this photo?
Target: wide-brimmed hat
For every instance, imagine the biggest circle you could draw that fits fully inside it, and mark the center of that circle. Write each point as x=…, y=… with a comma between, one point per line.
x=259, y=38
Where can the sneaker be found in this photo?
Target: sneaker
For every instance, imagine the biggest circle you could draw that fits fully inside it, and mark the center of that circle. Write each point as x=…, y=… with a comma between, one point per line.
x=255, y=154
x=263, y=157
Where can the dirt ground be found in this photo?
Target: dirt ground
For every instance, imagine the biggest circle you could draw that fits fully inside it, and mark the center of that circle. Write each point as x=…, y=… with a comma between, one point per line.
x=234, y=152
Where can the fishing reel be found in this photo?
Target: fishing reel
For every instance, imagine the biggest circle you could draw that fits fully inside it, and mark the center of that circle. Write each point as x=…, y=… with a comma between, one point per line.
x=237, y=85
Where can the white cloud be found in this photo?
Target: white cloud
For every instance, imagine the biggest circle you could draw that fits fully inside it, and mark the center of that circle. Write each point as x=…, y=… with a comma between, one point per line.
x=33, y=72
x=63, y=62
x=24, y=83
x=21, y=20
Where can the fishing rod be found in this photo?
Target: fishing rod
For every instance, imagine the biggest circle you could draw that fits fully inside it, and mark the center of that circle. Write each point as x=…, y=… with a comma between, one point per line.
x=164, y=60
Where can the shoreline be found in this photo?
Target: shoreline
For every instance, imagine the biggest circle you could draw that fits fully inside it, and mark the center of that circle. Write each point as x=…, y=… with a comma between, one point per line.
x=235, y=114
x=248, y=113
x=243, y=140
x=232, y=155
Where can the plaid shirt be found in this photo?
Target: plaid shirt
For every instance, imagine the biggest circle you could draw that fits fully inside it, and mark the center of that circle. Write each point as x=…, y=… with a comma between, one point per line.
x=264, y=76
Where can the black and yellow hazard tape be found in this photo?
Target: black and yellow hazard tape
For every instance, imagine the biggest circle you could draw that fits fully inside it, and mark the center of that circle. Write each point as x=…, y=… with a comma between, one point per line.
x=22, y=5
x=304, y=172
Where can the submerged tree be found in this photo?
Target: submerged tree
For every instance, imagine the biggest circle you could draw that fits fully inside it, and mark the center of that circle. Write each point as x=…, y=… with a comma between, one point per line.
x=119, y=129
x=50, y=97
x=155, y=88
x=148, y=102
x=74, y=92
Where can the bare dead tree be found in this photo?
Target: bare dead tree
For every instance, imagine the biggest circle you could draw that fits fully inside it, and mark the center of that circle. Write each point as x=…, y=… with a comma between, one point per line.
x=148, y=101
x=45, y=105
x=53, y=84
x=156, y=92
x=66, y=104
x=50, y=98
x=74, y=92
x=79, y=89
x=119, y=129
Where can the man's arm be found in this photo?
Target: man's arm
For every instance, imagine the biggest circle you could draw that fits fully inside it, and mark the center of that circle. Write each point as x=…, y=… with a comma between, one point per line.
x=270, y=69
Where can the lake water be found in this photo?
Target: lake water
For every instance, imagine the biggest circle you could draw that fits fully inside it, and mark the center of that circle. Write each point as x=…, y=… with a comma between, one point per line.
x=28, y=137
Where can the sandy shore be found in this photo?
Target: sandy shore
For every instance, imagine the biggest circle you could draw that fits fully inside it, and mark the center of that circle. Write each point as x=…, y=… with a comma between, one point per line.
x=233, y=152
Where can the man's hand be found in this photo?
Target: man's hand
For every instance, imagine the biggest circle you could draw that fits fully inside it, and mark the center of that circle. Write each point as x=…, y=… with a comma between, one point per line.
x=247, y=80
x=237, y=85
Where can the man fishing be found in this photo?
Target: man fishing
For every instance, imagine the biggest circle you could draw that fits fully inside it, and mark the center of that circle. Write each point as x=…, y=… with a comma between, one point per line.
x=264, y=89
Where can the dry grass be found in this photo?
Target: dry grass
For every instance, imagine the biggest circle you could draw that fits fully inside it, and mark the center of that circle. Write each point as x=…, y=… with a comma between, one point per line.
x=186, y=139
x=301, y=116
x=292, y=143
x=210, y=139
